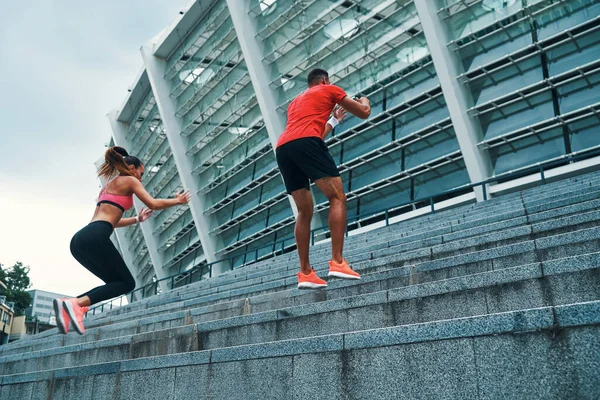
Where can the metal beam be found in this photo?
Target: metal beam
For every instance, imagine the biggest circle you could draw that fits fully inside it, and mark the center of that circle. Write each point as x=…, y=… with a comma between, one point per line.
x=119, y=129
x=448, y=67
x=246, y=28
x=155, y=68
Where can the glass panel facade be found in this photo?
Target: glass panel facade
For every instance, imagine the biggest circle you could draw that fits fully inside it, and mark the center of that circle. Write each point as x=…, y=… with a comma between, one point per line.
x=372, y=48
x=530, y=69
x=225, y=133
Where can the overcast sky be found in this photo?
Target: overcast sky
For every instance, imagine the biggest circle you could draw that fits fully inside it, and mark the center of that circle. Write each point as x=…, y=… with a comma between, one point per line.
x=63, y=66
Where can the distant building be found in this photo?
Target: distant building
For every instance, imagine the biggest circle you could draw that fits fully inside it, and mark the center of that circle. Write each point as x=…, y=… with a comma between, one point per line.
x=41, y=306
x=6, y=315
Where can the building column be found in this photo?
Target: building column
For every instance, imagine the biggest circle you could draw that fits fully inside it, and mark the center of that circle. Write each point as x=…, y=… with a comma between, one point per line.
x=448, y=67
x=119, y=129
x=253, y=50
x=155, y=68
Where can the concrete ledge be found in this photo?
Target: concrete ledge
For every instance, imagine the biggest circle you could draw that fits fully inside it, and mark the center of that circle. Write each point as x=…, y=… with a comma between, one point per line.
x=28, y=377
x=572, y=264
x=579, y=236
x=171, y=360
x=94, y=369
x=578, y=314
x=278, y=349
x=516, y=321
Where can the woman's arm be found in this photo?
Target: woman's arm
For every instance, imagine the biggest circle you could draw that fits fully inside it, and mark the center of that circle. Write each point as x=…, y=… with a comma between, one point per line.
x=157, y=204
x=141, y=217
x=126, y=222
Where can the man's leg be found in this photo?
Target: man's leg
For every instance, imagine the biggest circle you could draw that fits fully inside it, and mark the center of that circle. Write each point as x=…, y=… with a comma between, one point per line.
x=304, y=203
x=333, y=190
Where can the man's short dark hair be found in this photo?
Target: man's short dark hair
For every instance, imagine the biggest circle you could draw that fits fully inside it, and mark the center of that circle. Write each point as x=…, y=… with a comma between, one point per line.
x=315, y=75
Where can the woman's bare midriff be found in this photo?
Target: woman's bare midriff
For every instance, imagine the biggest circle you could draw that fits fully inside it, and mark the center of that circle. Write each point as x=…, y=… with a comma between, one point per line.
x=108, y=213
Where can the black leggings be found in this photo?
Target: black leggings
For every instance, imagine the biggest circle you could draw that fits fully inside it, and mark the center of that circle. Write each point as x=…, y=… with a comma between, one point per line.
x=91, y=246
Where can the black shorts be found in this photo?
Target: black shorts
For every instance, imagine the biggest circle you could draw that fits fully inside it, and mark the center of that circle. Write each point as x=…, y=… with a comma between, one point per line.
x=304, y=159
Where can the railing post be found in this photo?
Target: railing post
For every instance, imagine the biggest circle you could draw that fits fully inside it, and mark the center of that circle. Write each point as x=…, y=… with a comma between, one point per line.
x=312, y=237
x=432, y=207
x=172, y=282
x=543, y=176
x=387, y=218
x=484, y=191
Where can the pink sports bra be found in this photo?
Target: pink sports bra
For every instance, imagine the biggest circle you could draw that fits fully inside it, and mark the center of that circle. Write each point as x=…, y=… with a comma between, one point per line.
x=121, y=201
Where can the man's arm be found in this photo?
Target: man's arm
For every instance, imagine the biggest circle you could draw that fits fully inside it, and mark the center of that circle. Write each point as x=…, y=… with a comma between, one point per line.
x=361, y=107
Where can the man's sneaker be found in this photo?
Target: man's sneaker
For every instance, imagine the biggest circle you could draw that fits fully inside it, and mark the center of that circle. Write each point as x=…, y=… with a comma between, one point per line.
x=342, y=270
x=76, y=312
x=310, y=281
x=62, y=318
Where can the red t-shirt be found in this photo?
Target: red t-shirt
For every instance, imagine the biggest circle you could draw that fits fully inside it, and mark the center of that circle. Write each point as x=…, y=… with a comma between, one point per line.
x=309, y=112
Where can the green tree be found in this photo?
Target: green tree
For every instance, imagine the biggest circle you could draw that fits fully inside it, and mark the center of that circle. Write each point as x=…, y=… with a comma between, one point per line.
x=17, y=282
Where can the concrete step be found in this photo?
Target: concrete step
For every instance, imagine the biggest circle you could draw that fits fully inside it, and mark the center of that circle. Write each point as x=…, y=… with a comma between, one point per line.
x=547, y=352
x=522, y=287
x=431, y=233
x=462, y=217
x=433, y=250
x=261, y=273
x=506, y=256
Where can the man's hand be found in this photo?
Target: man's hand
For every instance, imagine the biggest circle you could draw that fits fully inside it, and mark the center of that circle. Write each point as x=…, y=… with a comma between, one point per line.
x=144, y=214
x=361, y=107
x=364, y=100
x=339, y=113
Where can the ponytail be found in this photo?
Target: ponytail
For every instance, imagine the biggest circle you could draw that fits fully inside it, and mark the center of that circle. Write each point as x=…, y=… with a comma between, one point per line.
x=117, y=161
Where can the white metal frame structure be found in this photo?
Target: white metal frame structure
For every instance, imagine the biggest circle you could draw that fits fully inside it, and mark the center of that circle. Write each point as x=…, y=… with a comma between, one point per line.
x=461, y=91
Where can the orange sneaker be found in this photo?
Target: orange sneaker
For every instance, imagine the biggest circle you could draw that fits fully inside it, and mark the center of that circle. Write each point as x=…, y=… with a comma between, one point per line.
x=310, y=281
x=62, y=318
x=342, y=270
x=76, y=312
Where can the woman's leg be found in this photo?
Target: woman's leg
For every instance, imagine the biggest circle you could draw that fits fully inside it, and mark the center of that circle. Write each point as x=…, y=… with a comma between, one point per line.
x=98, y=255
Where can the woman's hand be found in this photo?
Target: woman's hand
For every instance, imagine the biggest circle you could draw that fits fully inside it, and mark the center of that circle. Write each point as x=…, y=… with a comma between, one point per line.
x=184, y=198
x=144, y=214
x=339, y=113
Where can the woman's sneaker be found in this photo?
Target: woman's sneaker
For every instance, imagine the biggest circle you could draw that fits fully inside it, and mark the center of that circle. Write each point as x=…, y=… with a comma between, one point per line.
x=310, y=281
x=76, y=312
x=62, y=318
x=342, y=270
